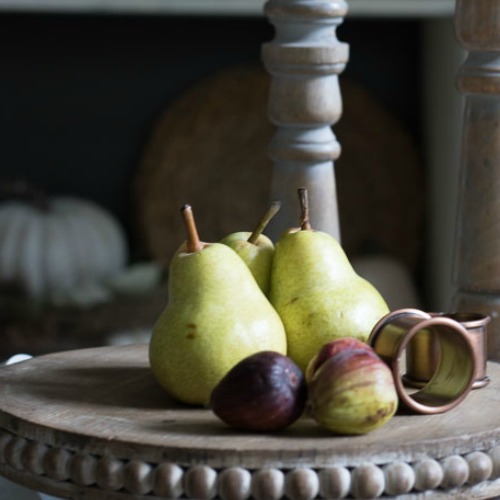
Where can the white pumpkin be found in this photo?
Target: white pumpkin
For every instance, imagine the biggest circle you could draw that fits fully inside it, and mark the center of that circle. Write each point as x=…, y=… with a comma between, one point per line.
x=73, y=244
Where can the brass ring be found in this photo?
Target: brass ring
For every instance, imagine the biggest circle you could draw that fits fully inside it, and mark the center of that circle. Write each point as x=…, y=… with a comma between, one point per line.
x=454, y=373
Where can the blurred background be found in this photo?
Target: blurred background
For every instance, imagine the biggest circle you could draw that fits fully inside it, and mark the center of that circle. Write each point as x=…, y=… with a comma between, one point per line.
x=132, y=105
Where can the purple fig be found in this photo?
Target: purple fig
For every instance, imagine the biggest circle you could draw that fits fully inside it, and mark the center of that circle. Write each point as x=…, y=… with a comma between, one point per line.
x=264, y=392
x=352, y=392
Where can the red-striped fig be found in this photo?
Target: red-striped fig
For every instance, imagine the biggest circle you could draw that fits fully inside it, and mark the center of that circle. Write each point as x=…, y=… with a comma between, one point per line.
x=352, y=392
x=330, y=349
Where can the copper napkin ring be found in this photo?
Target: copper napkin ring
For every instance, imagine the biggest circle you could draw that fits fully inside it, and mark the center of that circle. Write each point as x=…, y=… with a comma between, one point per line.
x=422, y=354
x=453, y=365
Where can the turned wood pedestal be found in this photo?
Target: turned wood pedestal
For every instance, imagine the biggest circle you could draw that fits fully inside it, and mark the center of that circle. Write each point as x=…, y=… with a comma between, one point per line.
x=477, y=245
x=304, y=60
x=94, y=424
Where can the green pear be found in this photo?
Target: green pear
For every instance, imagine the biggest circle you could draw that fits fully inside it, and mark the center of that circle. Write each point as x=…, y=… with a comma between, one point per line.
x=256, y=249
x=317, y=293
x=216, y=316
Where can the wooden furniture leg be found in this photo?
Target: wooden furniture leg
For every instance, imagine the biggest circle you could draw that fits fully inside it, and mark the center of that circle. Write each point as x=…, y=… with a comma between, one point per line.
x=476, y=273
x=304, y=60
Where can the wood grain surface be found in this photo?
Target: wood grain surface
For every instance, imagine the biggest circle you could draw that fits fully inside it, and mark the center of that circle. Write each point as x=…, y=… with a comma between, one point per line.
x=104, y=402
x=110, y=394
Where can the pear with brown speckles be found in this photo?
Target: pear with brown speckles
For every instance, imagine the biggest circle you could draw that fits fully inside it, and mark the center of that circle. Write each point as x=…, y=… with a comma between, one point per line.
x=216, y=316
x=317, y=293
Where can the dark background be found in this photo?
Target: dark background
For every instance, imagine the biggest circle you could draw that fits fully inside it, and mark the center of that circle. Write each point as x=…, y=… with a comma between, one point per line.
x=79, y=94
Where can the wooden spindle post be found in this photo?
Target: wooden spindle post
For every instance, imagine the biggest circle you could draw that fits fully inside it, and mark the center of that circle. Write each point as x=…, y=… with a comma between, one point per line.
x=477, y=244
x=304, y=60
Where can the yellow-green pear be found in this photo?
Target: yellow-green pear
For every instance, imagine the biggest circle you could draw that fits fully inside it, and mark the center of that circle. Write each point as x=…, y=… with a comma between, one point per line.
x=317, y=293
x=216, y=315
x=256, y=249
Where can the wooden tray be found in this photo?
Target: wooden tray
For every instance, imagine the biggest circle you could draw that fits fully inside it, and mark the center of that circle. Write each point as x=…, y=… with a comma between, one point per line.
x=93, y=424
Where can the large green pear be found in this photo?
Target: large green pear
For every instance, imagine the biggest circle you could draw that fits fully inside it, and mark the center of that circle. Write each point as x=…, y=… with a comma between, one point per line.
x=318, y=295
x=255, y=248
x=216, y=315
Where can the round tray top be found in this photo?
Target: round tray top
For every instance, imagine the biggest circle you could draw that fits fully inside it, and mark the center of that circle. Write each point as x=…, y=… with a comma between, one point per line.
x=105, y=402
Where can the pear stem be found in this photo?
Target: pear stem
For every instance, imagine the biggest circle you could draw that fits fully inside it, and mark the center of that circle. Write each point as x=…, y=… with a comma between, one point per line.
x=271, y=212
x=193, y=243
x=304, y=208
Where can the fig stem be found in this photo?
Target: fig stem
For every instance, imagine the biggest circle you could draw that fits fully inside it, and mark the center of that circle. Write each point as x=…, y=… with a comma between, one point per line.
x=193, y=243
x=271, y=212
x=304, y=209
